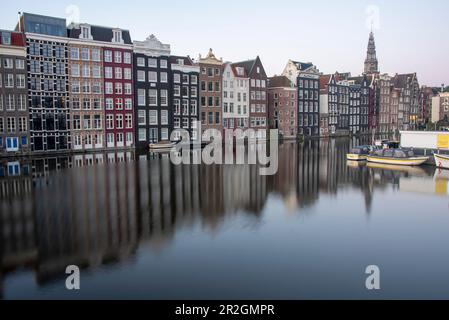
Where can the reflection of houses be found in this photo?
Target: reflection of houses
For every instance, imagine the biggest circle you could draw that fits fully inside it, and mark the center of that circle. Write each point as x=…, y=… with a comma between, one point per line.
x=308, y=172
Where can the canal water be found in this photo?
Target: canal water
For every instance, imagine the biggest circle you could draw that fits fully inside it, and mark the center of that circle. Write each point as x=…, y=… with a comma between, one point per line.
x=139, y=227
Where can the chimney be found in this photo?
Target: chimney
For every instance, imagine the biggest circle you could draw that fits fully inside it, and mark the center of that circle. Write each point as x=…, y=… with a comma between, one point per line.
x=20, y=27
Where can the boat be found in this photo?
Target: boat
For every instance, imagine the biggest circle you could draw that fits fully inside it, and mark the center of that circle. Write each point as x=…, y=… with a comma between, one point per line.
x=162, y=146
x=397, y=157
x=358, y=153
x=387, y=144
x=441, y=161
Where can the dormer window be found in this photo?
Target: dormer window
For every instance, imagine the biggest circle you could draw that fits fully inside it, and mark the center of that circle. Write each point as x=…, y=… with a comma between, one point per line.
x=240, y=71
x=117, y=36
x=180, y=62
x=6, y=38
x=85, y=32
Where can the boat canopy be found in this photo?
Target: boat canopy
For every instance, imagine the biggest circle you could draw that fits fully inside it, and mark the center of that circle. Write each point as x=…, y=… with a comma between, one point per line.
x=360, y=150
x=395, y=153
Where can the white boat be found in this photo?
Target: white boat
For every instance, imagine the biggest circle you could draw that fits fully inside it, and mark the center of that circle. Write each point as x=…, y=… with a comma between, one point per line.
x=162, y=146
x=442, y=161
x=396, y=157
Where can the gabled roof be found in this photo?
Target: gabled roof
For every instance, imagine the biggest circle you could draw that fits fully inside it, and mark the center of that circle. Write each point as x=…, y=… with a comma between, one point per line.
x=99, y=33
x=302, y=66
x=325, y=79
x=279, y=82
x=401, y=80
x=187, y=60
x=247, y=66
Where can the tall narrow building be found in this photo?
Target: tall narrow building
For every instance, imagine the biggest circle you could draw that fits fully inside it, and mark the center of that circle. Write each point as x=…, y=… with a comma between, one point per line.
x=371, y=62
x=47, y=59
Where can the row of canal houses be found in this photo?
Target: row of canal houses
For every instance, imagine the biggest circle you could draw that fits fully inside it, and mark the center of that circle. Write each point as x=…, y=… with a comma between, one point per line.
x=82, y=87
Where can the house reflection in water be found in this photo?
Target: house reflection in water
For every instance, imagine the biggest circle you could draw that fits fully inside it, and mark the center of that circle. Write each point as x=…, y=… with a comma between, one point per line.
x=92, y=210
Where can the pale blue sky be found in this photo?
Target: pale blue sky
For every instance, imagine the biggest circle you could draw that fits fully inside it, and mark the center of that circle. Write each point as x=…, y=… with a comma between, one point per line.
x=331, y=34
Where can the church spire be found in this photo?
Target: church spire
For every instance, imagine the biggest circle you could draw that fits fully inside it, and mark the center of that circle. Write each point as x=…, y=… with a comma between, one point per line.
x=371, y=63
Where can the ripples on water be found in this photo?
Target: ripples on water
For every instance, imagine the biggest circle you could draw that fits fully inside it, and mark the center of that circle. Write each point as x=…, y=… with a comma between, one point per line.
x=142, y=228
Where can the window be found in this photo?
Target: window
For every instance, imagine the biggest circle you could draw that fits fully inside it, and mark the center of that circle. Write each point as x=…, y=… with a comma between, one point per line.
x=6, y=38
x=127, y=74
x=153, y=97
x=141, y=76
x=152, y=76
x=119, y=121
x=9, y=81
x=128, y=104
x=109, y=88
x=86, y=104
x=75, y=87
x=152, y=63
x=142, y=117
x=164, y=97
x=20, y=81
x=108, y=72
x=96, y=55
x=109, y=121
x=163, y=64
x=153, y=117
x=118, y=57
x=85, y=54
x=119, y=104
x=194, y=79
x=164, y=77
x=23, y=124
x=96, y=71
x=21, y=102
x=164, y=134
x=142, y=135
x=141, y=62
x=164, y=117
x=127, y=58
x=109, y=104
x=118, y=73
x=141, y=97
x=108, y=56
x=176, y=78
x=75, y=70
x=128, y=121
x=117, y=36
x=20, y=64
x=8, y=63
x=11, y=124
x=128, y=88
x=86, y=71
x=118, y=88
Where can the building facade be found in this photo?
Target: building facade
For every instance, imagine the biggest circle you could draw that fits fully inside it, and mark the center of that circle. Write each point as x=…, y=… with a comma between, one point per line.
x=384, y=87
x=235, y=97
x=185, y=95
x=86, y=83
x=118, y=86
x=47, y=58
x=282, y=108
x=153, y=92
x=211, y=96
x=14, y=116
x=440, y=107
x=307, y=78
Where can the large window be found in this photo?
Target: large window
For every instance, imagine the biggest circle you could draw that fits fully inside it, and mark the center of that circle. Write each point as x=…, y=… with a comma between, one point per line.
x=153, y=97
x=153, y=117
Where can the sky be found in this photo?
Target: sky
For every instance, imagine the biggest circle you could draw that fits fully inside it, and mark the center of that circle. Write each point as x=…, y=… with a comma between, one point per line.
x=411, y=35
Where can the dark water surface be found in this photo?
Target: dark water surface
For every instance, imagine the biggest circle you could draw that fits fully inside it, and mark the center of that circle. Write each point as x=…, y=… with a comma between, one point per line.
x=139, y=227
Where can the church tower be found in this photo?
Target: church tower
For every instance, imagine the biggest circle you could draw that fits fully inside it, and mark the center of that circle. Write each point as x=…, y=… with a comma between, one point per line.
x=371, y=63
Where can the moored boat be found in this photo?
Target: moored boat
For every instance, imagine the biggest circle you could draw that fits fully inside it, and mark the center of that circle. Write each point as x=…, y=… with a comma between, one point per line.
x=397, y=157
x=162, y=146
x=441, y=161
x=358, y=153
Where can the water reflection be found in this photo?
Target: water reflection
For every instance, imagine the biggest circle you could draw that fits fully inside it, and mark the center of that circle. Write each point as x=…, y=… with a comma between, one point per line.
x=95, y=210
